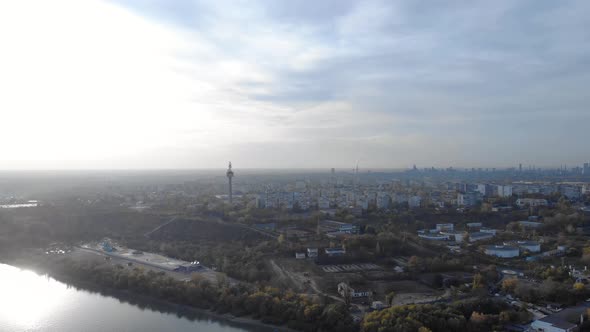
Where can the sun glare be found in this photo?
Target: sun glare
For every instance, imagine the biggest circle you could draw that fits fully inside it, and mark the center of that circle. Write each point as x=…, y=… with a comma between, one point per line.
x=27, y=298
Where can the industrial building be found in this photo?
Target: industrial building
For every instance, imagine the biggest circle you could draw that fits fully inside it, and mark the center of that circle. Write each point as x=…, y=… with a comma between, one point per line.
x=502, y=251
x=530, y=246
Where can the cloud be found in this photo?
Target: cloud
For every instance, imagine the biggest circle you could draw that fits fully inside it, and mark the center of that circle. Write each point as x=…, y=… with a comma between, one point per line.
x=194, y=83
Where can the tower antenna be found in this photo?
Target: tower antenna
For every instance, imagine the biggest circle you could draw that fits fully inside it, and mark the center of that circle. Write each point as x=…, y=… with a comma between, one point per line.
x=230, y=175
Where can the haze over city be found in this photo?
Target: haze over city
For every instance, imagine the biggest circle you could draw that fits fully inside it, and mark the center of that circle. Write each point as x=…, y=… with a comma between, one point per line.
x=276, y=84
x=303, y=165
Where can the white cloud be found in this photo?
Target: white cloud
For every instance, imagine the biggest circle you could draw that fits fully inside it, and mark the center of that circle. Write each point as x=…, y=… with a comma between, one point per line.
x=89, y=83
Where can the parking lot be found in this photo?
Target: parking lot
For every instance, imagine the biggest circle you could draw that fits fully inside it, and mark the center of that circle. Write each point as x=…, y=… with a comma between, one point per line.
x=350, y=267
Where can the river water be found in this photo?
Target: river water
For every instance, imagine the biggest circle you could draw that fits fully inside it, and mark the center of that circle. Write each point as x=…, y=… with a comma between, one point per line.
x=32, y=302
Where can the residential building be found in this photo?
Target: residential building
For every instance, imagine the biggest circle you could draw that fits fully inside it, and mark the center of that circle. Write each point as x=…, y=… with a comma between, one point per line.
x=334, y=251
x=504, y=191
x=414, y=202
x=532, y=202
x=468, y=199
x=570, y=191
x=312, y=252
x=323, y=203
x=383, y=200
x=354, y=291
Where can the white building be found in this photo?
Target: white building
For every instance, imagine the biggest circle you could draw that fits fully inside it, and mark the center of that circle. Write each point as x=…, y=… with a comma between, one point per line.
x=353, y=291
x=504, y=191
x=480, y=236
x=532, y=202
x=377, y=305
x=312, y=252
x=552, y=324
x=481, y=188
x=434, y=236
x=363, y=203
x=468, y=199
x=445, y=227
x=414, y=202
x=530, y=246
x=488, y=230
x=502, y=251
x=323, y=203
x=300, y=255
x=564, y=321
x=383, y=201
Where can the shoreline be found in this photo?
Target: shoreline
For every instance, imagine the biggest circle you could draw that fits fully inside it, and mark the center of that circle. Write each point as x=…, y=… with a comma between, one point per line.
x=154, y=304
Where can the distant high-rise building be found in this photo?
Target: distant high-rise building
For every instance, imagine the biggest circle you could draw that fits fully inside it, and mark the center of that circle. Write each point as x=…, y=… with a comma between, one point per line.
x=230, y=175
x=520, y=168
x=586, y=169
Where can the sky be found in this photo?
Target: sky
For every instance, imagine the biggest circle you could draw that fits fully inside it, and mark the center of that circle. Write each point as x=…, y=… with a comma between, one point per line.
x=155, y=84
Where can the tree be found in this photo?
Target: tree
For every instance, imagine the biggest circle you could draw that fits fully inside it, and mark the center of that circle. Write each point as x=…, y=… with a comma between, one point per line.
x=346, y=293
x=509, y=284
x=389, y=298
x=281, y=238
x=478, y=281
x=414, y=263
x=578, y=287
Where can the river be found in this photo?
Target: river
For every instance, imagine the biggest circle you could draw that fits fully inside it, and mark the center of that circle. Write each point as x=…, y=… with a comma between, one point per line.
x=31, y=302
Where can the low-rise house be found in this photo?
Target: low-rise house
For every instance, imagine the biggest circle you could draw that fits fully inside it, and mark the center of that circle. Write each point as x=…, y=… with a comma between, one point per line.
x=300, y=255
x=377, y=305
x=189, y=267
x=488, y=230
x=354, y=291
x=566, y=320
x=530, y=224
x=337, y=226
x=334, y=251
x=312, y=252
x=433, y=236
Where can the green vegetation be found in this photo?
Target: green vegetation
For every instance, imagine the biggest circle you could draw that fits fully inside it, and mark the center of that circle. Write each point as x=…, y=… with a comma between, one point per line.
x=472, y=315
x=270, y=305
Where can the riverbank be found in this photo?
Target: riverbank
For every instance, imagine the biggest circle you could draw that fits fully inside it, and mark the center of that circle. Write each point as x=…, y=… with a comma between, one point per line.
x=143, y=301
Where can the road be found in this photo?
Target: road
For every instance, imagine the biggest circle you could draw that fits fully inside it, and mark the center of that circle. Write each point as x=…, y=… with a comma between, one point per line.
x=158, y=228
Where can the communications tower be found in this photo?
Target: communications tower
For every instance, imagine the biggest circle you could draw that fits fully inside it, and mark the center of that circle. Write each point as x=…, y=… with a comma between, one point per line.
x=230, y=175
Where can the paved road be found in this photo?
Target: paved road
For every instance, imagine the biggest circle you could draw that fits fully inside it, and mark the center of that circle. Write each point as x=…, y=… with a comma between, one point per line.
x=158, y=228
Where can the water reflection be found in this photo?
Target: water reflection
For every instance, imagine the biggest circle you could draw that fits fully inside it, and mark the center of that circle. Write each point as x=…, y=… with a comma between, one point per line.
x=27, y=297
x=30, y=302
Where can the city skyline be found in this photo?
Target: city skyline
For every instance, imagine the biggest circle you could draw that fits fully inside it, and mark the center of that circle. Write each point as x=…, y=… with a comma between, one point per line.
x=191, y=84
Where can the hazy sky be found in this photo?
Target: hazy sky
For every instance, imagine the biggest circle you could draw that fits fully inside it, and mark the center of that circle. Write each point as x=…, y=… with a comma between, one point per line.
x=193, y=84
